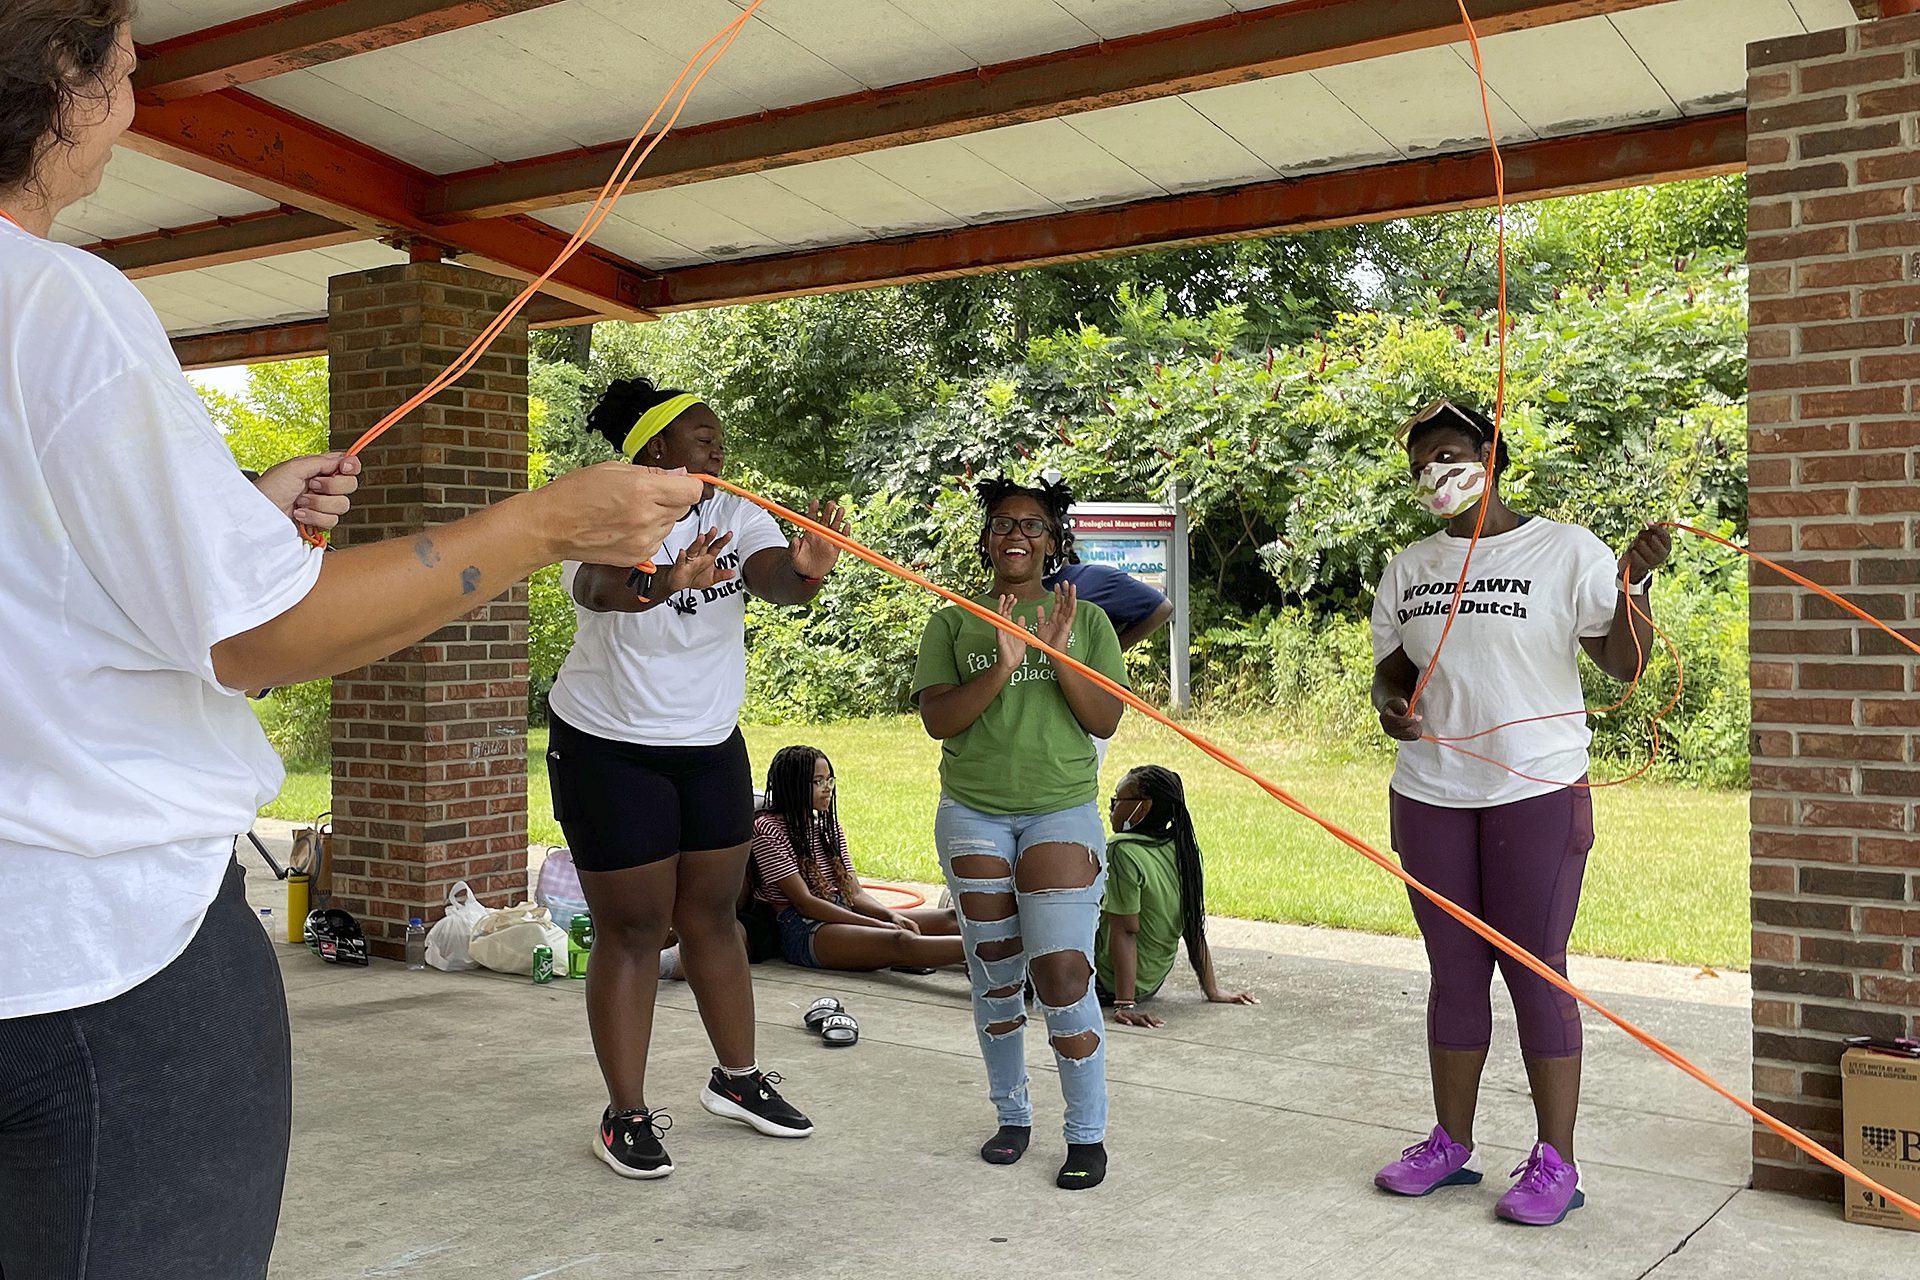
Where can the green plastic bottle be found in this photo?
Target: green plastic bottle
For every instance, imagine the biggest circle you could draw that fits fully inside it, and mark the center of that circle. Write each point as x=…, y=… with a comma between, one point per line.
x=579, y=943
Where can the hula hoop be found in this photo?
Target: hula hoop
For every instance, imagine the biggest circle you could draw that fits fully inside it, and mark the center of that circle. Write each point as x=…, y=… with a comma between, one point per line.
x=913, y=897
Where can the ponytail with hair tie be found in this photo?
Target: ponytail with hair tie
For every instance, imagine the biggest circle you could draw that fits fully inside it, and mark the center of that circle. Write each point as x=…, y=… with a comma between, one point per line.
x=619, y=413
x=1168, y=818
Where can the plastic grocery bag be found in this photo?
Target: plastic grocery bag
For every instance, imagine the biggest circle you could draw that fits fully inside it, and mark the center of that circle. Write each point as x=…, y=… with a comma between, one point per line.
x=448, y=940
x=504, y=940
x=559, y=889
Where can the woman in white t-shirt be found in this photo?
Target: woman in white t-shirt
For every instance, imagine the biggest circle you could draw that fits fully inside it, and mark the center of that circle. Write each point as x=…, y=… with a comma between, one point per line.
x=650, y=777
x=1509, y=844
x=145, y=1065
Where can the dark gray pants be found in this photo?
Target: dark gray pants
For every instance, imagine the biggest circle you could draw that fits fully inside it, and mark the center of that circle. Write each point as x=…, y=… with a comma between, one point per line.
x=145, y=1138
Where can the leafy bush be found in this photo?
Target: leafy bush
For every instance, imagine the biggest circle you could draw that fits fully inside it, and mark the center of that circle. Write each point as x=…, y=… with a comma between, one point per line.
x=1318, y=671
x=298, y=722
x=852, y=652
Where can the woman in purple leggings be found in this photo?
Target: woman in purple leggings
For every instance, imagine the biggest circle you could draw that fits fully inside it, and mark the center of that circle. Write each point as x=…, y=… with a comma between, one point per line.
x=1510, y=848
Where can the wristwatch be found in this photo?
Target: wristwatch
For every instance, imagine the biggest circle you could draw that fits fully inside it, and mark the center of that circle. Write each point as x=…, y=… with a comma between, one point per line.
x=642, y=578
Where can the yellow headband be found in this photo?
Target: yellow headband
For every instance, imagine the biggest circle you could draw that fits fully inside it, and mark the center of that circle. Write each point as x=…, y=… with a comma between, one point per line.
x=654, y=421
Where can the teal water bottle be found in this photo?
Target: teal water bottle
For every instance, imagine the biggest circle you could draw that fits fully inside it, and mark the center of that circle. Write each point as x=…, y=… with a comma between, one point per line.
x=579, y=943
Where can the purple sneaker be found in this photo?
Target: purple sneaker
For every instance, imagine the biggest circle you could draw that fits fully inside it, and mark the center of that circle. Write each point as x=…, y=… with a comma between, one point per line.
x=1428, y=1166
x=1548, y=1190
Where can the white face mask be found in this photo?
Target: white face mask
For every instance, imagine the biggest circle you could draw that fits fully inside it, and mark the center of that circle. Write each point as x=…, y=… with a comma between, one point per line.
x=1138, y=812
x=1446, y=489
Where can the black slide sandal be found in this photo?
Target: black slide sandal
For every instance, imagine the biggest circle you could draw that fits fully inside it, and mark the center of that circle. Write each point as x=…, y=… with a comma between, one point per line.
x=820, y=1010
x=840, y=1031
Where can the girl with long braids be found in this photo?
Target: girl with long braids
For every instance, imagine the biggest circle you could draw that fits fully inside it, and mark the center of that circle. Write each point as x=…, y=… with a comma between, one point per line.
x=1156, y=897
x=1018, y=830
x=649, y=771
x=804, y=872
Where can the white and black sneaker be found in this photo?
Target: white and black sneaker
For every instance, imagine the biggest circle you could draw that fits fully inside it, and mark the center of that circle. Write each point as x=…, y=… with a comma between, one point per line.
x=629, y=1142
x=752, y=1100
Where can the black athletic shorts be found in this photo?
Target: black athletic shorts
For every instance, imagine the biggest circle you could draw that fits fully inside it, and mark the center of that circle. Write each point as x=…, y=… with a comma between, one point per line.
x=624, y=805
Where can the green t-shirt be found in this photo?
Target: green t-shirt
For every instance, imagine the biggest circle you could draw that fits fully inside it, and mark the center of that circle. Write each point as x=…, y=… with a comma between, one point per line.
x=1026, y=753
x=1143, y=879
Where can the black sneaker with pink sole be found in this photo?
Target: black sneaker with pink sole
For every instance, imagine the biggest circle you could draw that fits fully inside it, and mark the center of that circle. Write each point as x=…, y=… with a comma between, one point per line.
x=753, y=1101
x=629, y=1142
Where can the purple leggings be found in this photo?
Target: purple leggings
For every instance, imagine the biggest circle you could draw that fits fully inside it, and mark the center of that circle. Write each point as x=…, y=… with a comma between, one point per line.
x=1518, y=867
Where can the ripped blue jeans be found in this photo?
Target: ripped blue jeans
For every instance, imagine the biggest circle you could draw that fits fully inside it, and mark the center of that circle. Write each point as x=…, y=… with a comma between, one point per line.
x=1038, y=916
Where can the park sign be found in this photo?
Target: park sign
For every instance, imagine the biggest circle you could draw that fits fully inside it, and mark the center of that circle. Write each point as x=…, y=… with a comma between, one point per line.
x=1135, y=538
x=1148, y=542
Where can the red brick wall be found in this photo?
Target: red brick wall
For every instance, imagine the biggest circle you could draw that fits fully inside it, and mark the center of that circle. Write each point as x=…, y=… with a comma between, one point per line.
x=1834, y=249
x=430, y=746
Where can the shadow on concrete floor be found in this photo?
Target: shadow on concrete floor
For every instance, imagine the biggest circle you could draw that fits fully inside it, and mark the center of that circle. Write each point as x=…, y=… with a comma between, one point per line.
x=442, y=1123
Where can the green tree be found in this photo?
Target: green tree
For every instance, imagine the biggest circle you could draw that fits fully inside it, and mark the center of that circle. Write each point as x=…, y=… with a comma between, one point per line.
x=281, y=414
x=1551, y=244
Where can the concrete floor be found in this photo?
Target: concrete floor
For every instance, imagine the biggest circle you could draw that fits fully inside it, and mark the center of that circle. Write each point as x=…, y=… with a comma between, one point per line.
x=442, y=1123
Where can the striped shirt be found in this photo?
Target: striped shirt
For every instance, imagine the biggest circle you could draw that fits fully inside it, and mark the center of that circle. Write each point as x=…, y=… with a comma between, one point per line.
x=774, y=859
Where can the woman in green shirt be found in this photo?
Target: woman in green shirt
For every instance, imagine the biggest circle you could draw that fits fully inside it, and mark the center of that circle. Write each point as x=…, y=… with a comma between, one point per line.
x=1156, y=896
x=1018, y=828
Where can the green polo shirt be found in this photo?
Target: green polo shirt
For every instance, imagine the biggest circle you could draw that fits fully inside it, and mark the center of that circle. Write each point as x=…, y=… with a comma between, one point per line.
x=1027, y=753
x=1143, y=879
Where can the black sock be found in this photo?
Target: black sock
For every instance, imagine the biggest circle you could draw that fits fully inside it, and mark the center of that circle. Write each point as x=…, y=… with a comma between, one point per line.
x=1008, y=1145
x=1086, y=1166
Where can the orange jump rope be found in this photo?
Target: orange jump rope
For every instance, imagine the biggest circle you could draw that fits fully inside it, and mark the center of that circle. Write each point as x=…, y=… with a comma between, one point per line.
x=616, y=186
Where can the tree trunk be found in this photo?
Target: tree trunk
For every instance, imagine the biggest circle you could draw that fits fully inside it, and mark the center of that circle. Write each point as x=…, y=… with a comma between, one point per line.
x=579, y=345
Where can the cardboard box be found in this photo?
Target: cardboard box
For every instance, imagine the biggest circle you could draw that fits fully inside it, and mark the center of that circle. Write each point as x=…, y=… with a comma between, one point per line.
x=1880, y=1096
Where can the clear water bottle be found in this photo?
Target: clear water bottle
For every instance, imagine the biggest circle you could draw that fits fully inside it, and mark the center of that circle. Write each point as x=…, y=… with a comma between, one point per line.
x=416, y=944
x=266, y=920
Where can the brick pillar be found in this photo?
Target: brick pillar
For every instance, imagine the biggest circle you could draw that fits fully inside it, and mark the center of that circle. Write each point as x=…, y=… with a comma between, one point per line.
x=1834, y=420
x=430, y=746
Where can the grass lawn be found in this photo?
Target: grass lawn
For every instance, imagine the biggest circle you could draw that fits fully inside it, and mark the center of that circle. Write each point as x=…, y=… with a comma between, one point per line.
x=1667, y=880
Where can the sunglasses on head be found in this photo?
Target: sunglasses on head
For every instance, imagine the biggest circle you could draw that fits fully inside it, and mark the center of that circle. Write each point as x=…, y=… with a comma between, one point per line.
x=1448, y=413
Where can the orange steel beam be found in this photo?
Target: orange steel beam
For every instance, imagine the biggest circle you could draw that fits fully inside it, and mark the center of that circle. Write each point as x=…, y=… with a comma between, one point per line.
x=252, y=346
x=242, y=140
x=298, y=339
x=307, y=34
x=1561, y=166
x=223, y=240
x=1301, y=36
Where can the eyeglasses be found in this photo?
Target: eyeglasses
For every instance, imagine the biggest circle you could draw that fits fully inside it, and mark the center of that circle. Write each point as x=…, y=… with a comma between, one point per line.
x=1032, y=526
x=828, y=783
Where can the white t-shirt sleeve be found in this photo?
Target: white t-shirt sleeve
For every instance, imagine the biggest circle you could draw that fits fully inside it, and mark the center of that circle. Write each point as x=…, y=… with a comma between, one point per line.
x=1386, y=635
x=161, y=517
x=756, y=531
x=1596, y=585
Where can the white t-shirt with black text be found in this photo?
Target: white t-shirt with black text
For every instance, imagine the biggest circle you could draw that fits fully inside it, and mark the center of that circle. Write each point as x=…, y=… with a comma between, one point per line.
x=676, y=675
x=1514, y=653
x=130, y=545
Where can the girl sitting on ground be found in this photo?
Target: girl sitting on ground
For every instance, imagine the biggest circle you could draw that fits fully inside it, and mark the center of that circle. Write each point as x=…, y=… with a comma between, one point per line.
x=1155, y=897
x=803, y=871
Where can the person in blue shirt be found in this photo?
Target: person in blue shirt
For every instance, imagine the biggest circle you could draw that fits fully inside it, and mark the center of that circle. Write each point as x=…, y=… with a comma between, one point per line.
x=1136, y=609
